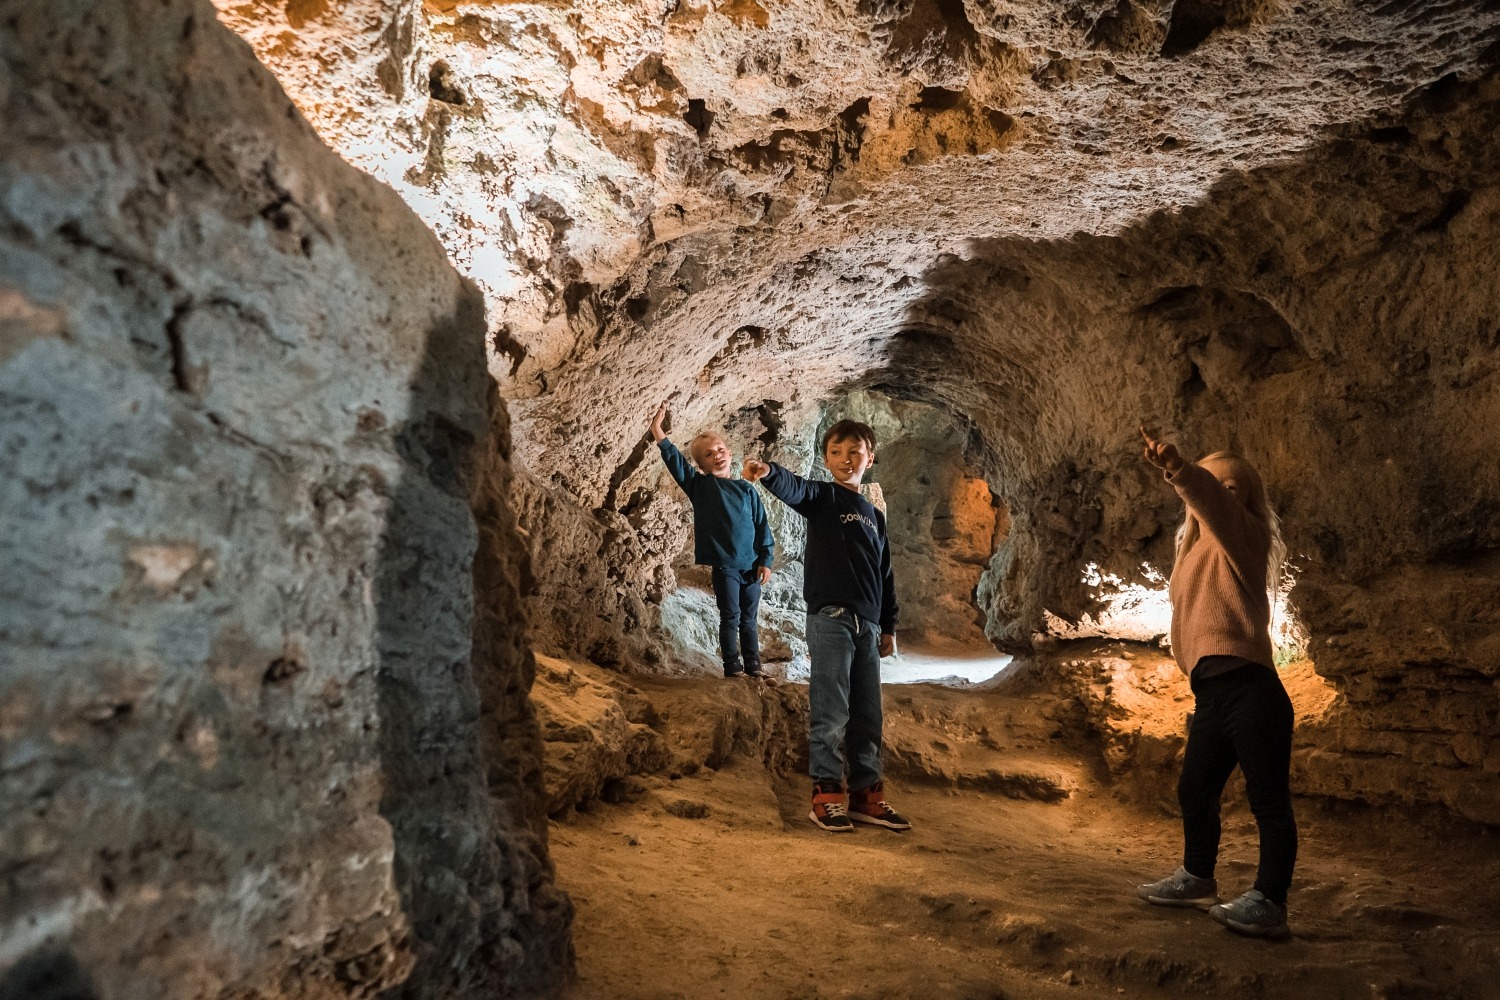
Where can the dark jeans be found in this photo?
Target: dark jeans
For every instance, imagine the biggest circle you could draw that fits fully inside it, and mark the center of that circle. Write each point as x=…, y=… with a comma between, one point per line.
x=1244, y=717
x=843, y=697
x=737, y=592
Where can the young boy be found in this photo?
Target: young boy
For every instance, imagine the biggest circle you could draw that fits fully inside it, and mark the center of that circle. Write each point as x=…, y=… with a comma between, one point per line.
x=849, y=589
x=730, y=533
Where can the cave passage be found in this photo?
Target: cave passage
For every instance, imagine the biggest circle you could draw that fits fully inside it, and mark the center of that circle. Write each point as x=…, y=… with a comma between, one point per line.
x=944, y=524
x=351, y=645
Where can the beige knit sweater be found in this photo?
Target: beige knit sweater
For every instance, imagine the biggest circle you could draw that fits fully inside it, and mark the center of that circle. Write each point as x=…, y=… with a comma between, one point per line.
x=1219, y=601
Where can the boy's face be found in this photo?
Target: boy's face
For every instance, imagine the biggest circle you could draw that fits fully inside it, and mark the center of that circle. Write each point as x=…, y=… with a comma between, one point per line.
x=848, y=459
x=712, y=455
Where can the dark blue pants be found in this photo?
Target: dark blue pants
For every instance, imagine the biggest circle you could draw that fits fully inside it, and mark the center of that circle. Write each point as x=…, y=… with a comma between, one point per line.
x=737, y=592
x=843, y=696
x=1241, y=717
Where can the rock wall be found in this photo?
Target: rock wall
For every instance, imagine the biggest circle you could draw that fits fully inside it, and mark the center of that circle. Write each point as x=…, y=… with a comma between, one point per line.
x=263, y=717
x=1335, y=321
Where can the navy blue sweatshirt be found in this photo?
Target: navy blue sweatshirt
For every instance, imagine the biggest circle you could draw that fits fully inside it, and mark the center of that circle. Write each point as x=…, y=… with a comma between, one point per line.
x=730, y=529
x=848, y=559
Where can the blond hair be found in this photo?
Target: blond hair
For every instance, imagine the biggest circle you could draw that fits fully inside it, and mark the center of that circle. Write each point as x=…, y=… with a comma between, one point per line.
x=1253, y=495
x=703, y=436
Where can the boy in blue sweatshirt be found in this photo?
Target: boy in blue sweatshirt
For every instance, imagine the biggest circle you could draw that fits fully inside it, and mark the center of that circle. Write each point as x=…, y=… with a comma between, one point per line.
x=851, y=624
x=730, y=533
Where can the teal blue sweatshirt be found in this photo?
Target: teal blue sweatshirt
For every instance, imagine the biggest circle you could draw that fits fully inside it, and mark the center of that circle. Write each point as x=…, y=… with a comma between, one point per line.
x=730, y=529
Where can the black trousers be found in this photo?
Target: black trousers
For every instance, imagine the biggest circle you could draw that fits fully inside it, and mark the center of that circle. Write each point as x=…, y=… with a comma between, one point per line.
x=1243, y=717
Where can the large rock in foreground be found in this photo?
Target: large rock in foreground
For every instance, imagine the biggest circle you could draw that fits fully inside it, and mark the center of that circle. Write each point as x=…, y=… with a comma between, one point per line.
x=254, y=738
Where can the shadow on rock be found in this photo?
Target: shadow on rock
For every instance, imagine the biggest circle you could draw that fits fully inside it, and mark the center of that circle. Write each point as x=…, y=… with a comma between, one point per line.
x=458, y=745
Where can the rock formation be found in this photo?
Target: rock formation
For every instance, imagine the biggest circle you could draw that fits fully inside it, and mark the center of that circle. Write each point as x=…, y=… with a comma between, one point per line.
x=281, y=556
x=264, y=727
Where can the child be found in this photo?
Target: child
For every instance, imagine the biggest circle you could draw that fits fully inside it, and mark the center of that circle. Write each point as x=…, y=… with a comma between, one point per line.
x=731, y=534
x=849, y=589
x=1228, y=549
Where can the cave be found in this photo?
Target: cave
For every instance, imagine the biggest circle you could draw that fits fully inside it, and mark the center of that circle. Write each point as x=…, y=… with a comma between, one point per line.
x=352, y=643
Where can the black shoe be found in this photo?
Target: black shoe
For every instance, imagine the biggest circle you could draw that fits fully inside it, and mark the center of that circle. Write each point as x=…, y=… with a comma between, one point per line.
x=753, y=670
x=733, y=673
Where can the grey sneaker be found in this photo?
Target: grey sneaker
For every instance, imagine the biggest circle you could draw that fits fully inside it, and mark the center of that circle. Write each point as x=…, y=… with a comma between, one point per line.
x=1252, y=914
x=1181, y=889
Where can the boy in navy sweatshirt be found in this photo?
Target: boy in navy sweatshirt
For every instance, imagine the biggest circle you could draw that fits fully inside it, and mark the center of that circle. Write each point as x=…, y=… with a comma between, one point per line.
x=730, y=533
x=851, y=624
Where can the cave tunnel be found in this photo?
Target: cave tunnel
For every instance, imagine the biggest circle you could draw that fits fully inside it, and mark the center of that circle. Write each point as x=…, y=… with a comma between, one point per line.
x=353, y=644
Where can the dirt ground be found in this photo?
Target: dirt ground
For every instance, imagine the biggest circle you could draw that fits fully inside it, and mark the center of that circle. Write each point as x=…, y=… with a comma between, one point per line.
x=714, y=884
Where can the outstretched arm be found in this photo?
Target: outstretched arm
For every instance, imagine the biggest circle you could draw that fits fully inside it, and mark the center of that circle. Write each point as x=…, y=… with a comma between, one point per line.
x=676, y=464
x=788, y=487
x=1219, y=512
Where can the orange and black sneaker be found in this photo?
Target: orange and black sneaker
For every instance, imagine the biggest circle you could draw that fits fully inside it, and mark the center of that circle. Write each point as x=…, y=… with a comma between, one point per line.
x=828, y=809
x=869, y=806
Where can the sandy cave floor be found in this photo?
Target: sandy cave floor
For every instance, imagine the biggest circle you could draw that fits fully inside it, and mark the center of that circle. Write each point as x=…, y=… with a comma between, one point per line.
x=716, y=885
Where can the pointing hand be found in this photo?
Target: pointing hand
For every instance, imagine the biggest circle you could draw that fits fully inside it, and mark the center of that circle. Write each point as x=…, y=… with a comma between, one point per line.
x=1162, y=454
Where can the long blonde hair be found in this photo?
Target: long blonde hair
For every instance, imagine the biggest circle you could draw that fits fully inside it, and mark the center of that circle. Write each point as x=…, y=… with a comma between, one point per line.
x=1253, y=495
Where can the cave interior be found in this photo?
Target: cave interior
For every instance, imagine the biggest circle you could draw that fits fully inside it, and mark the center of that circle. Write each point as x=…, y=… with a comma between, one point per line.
x=353, y=644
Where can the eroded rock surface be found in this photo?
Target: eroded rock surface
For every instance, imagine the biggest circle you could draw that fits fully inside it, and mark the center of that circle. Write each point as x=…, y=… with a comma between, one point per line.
x=1260, y=225
x=263, y=717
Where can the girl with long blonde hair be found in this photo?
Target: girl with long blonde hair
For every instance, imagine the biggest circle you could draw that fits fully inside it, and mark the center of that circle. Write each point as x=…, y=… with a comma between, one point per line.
x=1227, y=565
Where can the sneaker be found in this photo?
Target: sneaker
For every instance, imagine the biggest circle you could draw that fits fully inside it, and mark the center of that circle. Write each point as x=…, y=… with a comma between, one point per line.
x=1252, y=914
x=828, y=809
x=1181, y=889
x=870, y=806
x=753, y=670
x=733, y=672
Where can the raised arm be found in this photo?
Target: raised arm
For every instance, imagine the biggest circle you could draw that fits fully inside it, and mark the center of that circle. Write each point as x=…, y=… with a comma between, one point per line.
x=677, y=464
x=1219, y=512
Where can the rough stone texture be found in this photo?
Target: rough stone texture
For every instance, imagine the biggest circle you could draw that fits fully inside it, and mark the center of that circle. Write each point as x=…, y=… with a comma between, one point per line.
x=255, y=739
x=601, y=730
x=1258, y=224
x=1136, y=702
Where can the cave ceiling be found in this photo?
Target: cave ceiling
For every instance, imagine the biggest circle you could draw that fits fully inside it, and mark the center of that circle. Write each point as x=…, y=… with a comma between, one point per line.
x=1054, y=218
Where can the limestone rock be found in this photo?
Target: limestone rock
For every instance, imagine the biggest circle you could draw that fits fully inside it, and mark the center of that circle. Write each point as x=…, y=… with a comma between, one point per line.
x=263, y=717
